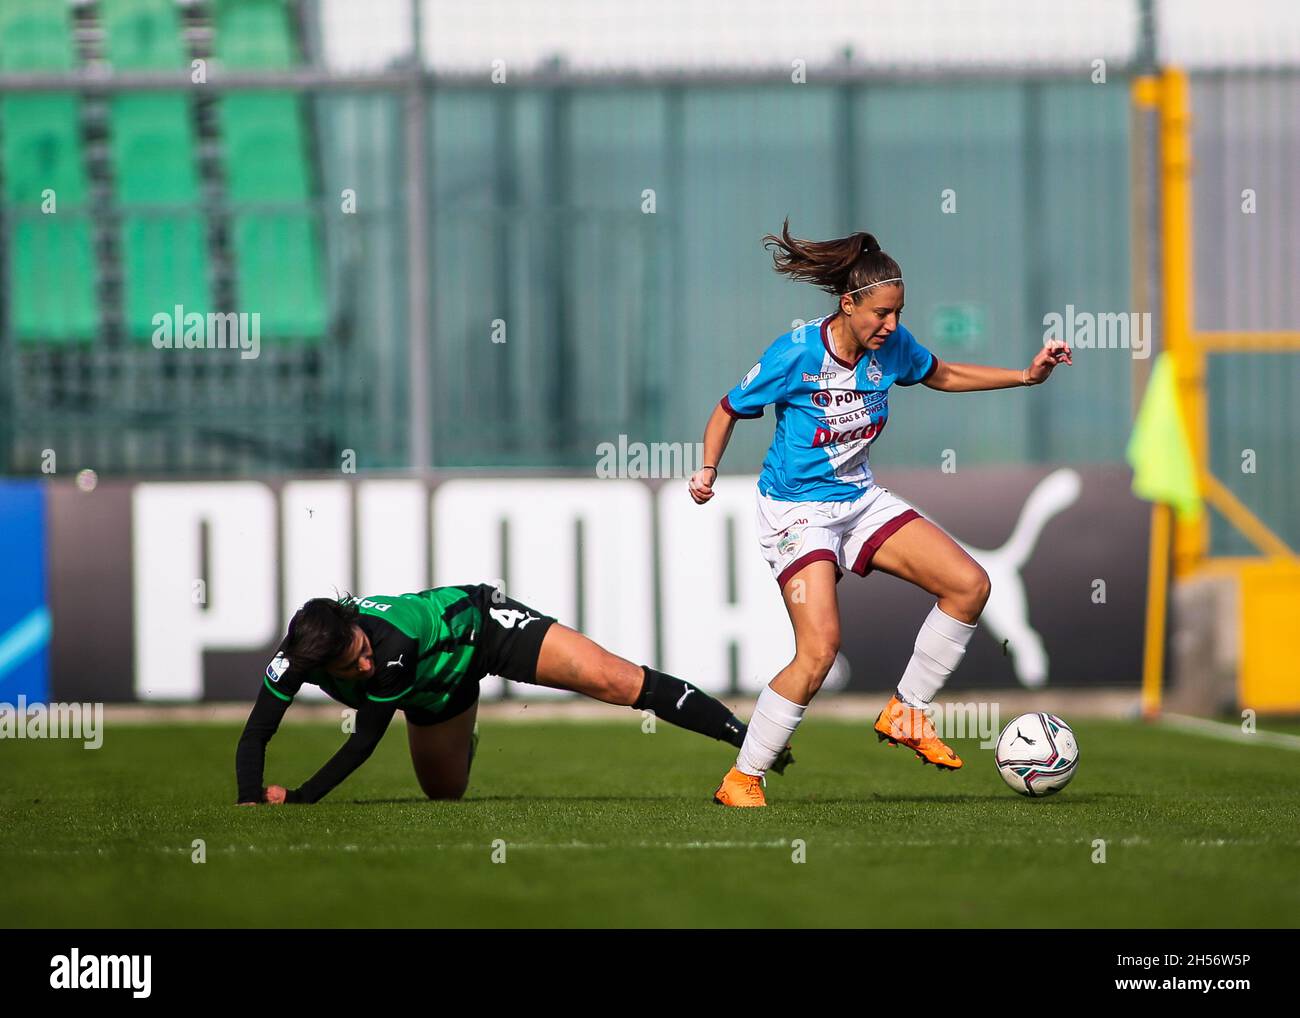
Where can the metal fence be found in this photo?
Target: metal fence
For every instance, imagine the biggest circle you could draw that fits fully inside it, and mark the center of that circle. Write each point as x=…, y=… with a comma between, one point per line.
x=1246, y=220
x=517, y=273
x=595, y=268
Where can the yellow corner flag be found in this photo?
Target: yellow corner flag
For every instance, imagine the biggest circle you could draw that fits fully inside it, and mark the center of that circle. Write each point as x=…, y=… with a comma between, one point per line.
x=1158, y=451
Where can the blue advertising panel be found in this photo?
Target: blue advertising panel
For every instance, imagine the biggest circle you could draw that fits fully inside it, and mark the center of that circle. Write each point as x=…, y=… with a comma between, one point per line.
x=24, y=614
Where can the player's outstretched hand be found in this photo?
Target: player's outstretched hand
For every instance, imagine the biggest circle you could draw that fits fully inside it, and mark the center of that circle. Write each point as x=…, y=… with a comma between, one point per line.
x=1047, y=358
x=275, y=795
x=701, y=484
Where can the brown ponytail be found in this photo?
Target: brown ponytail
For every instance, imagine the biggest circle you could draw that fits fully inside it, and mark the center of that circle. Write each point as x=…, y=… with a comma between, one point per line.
x=836, y=266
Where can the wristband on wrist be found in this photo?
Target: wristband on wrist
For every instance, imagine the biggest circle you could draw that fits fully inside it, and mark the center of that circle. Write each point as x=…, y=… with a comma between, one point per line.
x=710, y=466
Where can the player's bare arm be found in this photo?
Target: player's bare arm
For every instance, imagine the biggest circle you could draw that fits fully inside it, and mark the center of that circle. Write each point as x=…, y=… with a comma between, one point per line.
x=717, y=433
x=949, y=377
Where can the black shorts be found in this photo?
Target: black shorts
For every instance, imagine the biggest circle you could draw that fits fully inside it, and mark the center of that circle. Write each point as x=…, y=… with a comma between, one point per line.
x=463, y=697
x=507, y=644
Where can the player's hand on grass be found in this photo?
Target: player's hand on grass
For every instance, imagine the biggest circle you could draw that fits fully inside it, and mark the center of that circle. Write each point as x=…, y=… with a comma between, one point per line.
x=701, y=484
x=276, y=795
x=1047, y=358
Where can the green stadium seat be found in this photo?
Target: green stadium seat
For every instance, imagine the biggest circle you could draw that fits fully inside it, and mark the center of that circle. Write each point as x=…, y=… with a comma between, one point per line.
x=279, y=273
x=254, y=34
x=154, y=157
x=164, y=263
x=35, y=36
x=164, y=250
x=265, y=150
x=52, y=280
x=50, y=259
x=143, y=34
x=42, y=149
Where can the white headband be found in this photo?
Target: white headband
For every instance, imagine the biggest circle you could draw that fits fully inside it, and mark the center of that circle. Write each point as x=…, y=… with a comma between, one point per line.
x=896, y=279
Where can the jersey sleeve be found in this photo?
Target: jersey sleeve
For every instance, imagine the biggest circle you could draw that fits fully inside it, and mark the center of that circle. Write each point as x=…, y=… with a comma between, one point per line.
x=764, y=383
x=917, y=363
x=281, y=678
x=372, y=722
x=250, y=753
x=280, y=683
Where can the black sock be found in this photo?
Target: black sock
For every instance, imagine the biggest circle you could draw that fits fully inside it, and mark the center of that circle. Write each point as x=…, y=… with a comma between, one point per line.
x=688, y=707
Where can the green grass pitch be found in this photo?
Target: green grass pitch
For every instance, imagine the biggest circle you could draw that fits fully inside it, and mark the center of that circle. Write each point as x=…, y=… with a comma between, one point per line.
x=606, y=826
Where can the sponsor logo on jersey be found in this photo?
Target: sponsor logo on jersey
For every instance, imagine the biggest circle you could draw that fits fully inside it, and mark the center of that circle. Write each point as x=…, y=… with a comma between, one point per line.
x=278, y=666
x=849, y=404
x=753, y=373
x=874, y=371
x=848, y=398
x=825, y=436
x=821, y=376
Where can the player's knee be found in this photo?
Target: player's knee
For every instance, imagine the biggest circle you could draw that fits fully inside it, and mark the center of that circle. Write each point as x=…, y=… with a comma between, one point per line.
x=815, y=658
x=979, y=588
x=445, y=790
x=971, y=588
x=619, y=681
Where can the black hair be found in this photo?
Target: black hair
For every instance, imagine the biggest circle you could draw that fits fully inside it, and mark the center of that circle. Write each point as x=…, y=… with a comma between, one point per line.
x=321, y=631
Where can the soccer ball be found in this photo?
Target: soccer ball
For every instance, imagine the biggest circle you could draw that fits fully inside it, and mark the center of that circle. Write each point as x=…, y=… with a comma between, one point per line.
x=1037, y=754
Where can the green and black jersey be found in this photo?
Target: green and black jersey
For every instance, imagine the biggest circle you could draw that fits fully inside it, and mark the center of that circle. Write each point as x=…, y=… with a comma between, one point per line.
x=429, y=648
x=423, y=646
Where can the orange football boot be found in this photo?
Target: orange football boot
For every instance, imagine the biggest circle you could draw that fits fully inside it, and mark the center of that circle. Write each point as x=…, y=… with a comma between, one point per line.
x=910, y=726
x=740, y=789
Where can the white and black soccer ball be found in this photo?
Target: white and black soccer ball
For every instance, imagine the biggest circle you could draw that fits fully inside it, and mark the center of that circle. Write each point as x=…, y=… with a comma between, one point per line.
x=1037, y=754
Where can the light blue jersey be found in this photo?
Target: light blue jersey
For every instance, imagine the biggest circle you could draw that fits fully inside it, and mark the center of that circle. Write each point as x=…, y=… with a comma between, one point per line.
x=828, y=412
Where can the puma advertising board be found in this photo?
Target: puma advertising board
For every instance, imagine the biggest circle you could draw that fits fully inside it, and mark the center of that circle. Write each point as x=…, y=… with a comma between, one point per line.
x=179, y=591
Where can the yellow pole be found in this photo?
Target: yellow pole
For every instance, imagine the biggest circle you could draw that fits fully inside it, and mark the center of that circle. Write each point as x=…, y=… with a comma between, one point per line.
x=1145, y=96
x=1247, y=523
x=1153, y=660
x=1191, y=539
x=1248, y=342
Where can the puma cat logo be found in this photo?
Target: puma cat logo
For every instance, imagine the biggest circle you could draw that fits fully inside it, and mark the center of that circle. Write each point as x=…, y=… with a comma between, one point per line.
x=1007, y=612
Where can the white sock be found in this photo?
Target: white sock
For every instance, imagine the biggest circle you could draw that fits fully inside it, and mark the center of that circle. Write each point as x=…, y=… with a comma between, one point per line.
x=939, y=648
x=774, y=721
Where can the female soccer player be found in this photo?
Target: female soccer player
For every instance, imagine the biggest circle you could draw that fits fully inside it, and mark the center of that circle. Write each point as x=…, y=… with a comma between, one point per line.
x=821, y=513
x=424, y=654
